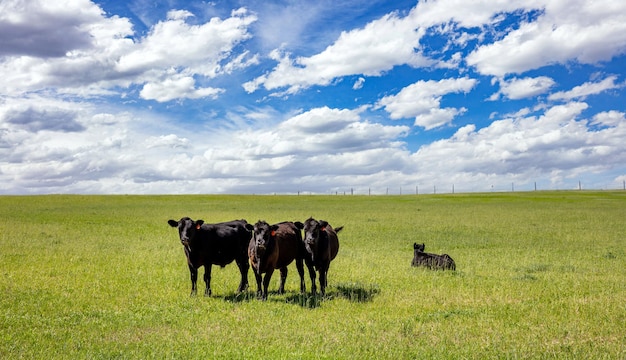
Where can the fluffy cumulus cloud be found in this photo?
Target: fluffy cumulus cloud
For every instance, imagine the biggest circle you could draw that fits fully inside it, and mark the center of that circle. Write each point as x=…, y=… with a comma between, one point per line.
x=199, y=49
x=379, y=46
x=46, y=29
x=75, y=48
x=557, y=142
x=523, y=88
x=585, y=31
x=422, y=100
x=586, y=89
x=179, y=87
x=321, y=141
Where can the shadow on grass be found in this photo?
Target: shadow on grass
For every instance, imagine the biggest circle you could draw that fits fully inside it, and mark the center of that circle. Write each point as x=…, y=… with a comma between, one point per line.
x=308, y=300
x=354, y=292
x=244, y=296
x=357, y=292
x=351, y=291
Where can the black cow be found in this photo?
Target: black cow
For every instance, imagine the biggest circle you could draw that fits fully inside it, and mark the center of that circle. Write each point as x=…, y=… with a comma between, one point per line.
x=431, y=261
x=214, y=244
x=322, y=246
x=275, y=247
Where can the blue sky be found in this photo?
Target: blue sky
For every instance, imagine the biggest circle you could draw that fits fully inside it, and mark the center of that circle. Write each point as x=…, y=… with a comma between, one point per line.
x=152, y=97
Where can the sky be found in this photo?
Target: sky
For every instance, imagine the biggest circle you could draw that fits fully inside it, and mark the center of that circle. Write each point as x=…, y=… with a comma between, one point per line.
x=311, y=96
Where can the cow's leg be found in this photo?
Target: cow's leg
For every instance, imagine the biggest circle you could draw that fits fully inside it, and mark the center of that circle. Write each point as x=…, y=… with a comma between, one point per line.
x=207, y=279
x=194, y=280
x=243, y=266
x=258, y=277
x=300, y=267
x=312, y=274
x=323, y=279
x=266, y=282
x=283, y=279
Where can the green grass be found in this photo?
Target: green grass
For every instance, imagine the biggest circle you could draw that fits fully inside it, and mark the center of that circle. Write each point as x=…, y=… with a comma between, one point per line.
x=539, y=275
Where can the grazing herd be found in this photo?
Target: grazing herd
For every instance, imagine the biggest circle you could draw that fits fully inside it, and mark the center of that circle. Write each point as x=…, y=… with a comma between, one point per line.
x=268, y=247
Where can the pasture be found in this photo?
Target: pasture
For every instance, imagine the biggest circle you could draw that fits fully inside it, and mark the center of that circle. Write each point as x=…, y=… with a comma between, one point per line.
x=539, y=275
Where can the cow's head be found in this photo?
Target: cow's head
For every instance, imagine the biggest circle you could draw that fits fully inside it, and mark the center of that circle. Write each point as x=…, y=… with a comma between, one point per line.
x=187, y=229
x=312, y=231
x=262, y=234
x=419, y=247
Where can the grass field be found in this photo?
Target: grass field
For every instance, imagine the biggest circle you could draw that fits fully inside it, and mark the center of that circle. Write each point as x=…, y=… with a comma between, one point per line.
x=539, y=275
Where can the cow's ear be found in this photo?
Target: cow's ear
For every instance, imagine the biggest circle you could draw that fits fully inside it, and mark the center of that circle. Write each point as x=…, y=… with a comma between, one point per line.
x=173, y=223
x=414, y=245
x=273, y=229
x=299, y=225
x=199, y=224
x=323, y=225
x=249, y=227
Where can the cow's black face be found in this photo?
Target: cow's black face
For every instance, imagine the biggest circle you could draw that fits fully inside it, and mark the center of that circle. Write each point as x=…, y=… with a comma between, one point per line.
x=187, y=229
x=312, y=230
x=261, y=236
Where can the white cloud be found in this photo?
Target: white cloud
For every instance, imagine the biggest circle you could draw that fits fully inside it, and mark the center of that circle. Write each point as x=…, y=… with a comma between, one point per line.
x=176, y=88
x=58, y=45
x=422, y=100
x=586, y=89
x=371, y=50
x=467, y=14
x=526, y=148
x=167, y=141
x=384, y=43
x=585, y=31
x=315, y=151
x=46, y=29
x=40, y=117
x=609, y=118
x=75, y=49
x=198, y=48
x=311, y=133
x=515, y=88
x=358, y=84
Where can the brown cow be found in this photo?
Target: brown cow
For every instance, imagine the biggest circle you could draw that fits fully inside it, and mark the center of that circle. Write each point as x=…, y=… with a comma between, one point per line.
x=322, y=245
x=275, y=247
